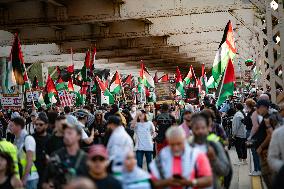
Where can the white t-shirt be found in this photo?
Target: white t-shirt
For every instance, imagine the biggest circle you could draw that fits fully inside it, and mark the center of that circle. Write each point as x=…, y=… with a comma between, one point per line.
x=30, y=145
x=144, y=137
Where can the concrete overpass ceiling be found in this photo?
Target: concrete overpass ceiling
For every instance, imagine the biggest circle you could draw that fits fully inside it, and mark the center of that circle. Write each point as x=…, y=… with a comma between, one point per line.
x=164, y=33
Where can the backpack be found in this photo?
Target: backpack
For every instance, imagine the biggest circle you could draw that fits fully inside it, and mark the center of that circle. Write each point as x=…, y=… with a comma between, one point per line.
x=164, y=121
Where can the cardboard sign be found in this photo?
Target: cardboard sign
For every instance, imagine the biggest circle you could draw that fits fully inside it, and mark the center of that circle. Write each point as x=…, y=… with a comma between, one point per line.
x=11, y=101
x=163, y=91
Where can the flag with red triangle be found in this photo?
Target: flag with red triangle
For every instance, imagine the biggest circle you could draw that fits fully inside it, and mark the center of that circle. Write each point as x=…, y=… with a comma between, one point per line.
x=179, y=84
x=50, y=87
x=105, y=91
x=70, y=85
x=226, y=86
x=128, y=81
x=115, y=84
x=145, y=77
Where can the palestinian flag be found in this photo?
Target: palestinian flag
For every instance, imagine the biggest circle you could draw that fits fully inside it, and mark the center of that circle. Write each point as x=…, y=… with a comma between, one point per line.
x=199, y=85
x=50, y=87
x=146, y=78
x=189, y=77
x=70, y=69
x=127, y=81
x=227, y=50
x=93, y=60
x=204, y=79
x=115, y=84
x=70, y=85
x=27, y=81
x=60, y=85
x=15, y=67
x=226, y=87
x=179, y=84
x=105, y=91
x=164, y=78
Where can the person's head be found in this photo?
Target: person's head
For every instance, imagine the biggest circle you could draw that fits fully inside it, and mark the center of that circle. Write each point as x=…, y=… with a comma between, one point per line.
x=130, y=161
x=210, y=115
x=199, y=126
x=16, y=125
x=187, y=115
x=113, y=122
x=114, y=109
x=264, y=96
x=108, y=108
x=239, y=107
x=133, y=108
x=52, y=115
x=6, y=164
x=176, y=139
x=34, y=117
x=147, y=108
x=250, y=104
x=97, y=159
x=126, y=113
x=72, y=131
x=281, y=110
x=82, y=116
x=142, y=116
x=99, y=115
x=165, y=107
x=262, y=107
x=152, y=106
x=60, y=120
x=80, y=183
x=67, y=109
x=181, y=106
x=41, y=123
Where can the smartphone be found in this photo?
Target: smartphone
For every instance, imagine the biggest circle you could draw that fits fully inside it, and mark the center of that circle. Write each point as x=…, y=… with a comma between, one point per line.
x=176, y=176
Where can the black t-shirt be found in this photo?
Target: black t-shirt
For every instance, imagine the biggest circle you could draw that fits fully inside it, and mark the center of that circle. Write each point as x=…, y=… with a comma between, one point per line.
x=54, y=143
x=260, y=135
x=164, y=121
x=41, y=151
x=107, y=183
x=247, y=120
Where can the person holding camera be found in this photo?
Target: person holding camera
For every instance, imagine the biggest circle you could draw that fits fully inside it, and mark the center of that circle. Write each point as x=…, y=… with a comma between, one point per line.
x=239, y=134
x=68, y=162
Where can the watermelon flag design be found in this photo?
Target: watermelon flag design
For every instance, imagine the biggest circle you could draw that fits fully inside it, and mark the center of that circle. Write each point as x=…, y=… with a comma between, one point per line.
x=146, y=78
x=104, y=90
x=227, y=50
x=226, y=87
x=115, y=85
x=179, y=84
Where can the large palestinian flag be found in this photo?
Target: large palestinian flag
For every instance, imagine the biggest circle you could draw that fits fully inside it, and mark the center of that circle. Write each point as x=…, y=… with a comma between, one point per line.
x=145, y=77
x=179, y=84
x=226, y=87
x=115, y=84
x=15, y=67
x=189, y=76
x=105, y=91
x=227, y=50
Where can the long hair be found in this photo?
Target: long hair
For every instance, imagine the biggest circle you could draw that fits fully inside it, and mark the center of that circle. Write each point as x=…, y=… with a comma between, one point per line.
x=145, y=119
x=10, y=168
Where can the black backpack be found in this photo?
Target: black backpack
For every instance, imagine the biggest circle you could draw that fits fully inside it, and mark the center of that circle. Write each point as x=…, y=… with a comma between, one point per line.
x=164, y=121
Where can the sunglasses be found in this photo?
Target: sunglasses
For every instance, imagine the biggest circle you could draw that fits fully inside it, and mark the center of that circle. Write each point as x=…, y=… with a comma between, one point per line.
x=98, y=158
x=39, y=124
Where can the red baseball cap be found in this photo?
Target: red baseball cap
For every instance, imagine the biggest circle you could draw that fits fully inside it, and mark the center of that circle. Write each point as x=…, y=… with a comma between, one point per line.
x=98, y=150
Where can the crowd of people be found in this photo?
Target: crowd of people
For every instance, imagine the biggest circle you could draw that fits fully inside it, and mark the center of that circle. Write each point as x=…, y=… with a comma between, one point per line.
x=103, y=147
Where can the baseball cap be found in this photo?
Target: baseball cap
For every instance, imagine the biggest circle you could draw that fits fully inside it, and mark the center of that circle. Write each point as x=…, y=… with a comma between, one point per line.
x=73, y=123
x=98, y=150
x=34, y=114
x=263, y=102
x=81, y=113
